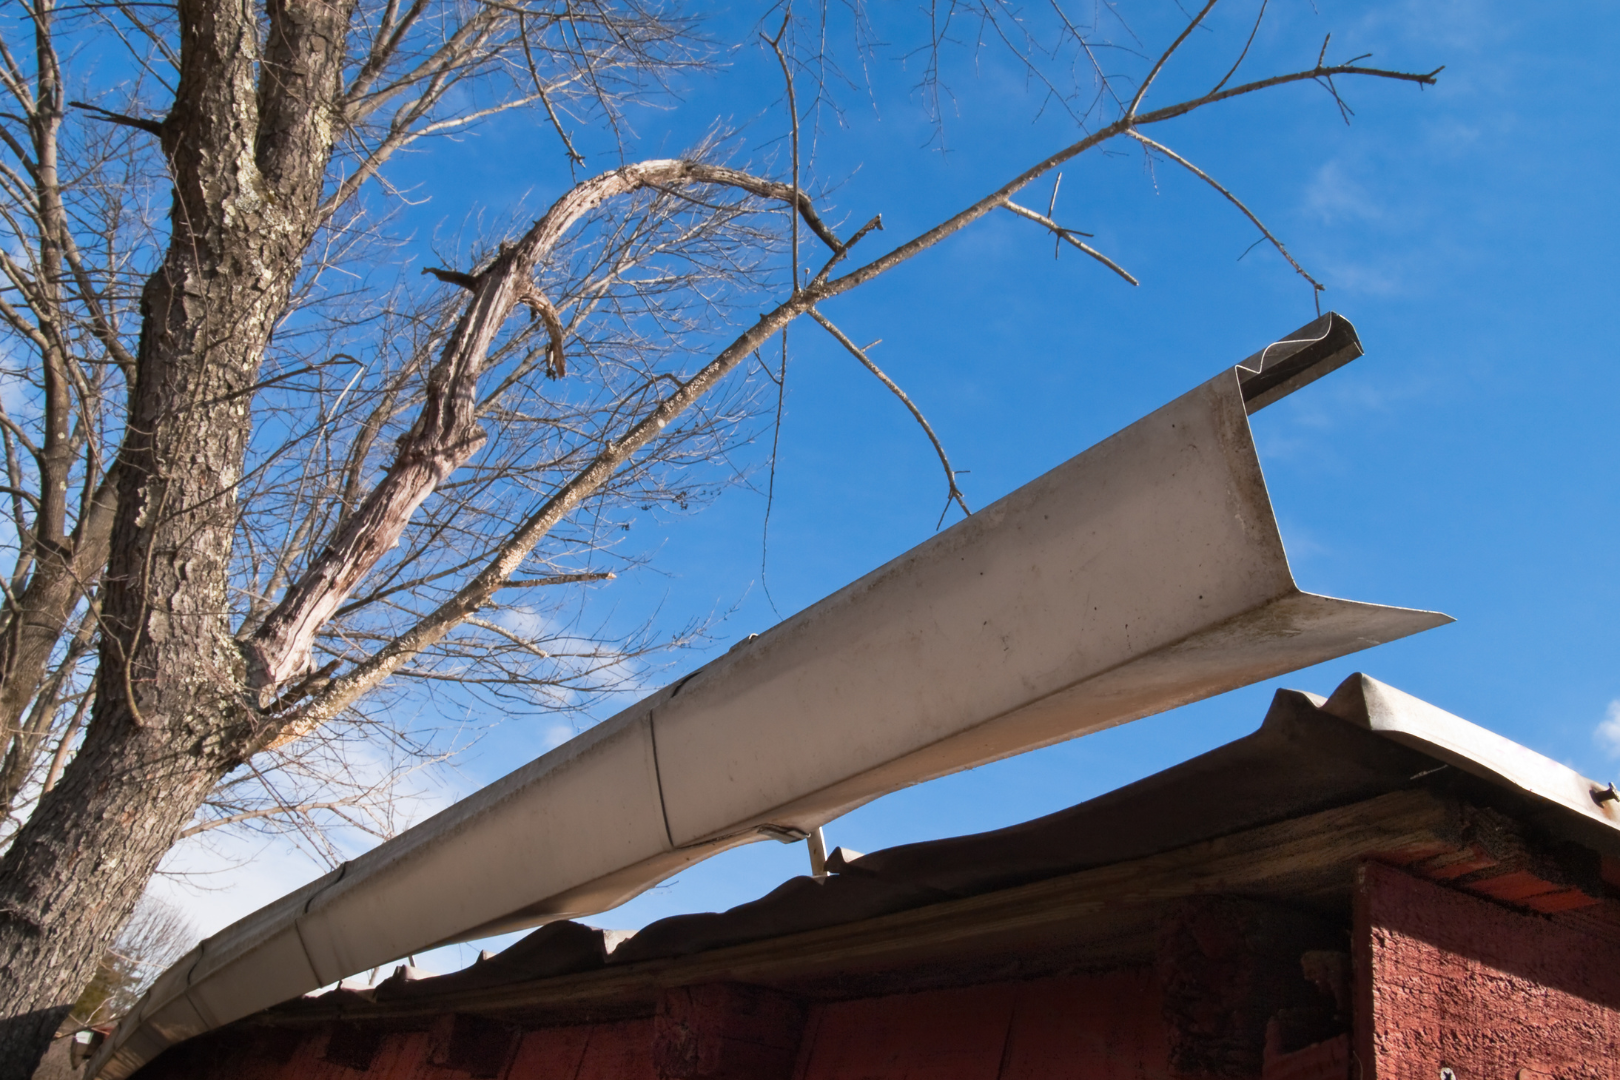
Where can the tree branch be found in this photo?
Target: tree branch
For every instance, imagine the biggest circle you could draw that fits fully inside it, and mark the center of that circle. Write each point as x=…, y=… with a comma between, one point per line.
x=574, y=156
x=952, y=493
x=269, y=811
x=446, y=433
x=432, y=628
x=1164, y=58
x=151, y=127
x=453, y=277
x=1246, y=46
x=1233, y=199
x=280, y=648
x=1069, y=235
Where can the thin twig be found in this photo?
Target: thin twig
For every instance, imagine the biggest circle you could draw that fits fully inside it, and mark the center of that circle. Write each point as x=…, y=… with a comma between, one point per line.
x=1235, y=201
x=844, y=248
x=781, y=383
x=574, y=156
x=268, y=811
x=953, y=494
x=770, y=483
x=1069, y=235
x=559, y=579
x=1051, y=212
x=1239, y=63
x=496, y=628
x=1164, y=58
x=793, y=134
x=151, y=127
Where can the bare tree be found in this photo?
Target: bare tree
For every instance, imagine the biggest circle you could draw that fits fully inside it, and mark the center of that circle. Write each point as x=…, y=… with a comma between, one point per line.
x=268, y=485
x=156, y=935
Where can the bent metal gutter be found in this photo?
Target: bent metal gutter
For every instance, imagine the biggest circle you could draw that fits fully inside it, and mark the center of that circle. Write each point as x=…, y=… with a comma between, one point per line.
x=1143, y=574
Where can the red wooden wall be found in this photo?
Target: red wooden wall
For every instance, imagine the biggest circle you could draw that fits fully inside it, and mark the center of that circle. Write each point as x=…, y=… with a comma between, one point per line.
x=1447, y=981
x=1442, y=981
x=1106, y=1027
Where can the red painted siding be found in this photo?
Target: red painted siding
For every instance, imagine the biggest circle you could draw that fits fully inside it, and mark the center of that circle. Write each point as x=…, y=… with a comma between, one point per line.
x=550, y=1052
x=1445, y=980
x=1106, y=1027
x=402, y=1056
x=617, y=1051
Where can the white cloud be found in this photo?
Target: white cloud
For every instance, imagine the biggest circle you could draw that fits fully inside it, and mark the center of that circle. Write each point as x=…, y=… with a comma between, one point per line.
x=20, y=397
x=1334, y=196
x=556, y=735
x=1379, y=279
x=525, y=622
x=223, y=875
x=229, y=878
x=1607, y=733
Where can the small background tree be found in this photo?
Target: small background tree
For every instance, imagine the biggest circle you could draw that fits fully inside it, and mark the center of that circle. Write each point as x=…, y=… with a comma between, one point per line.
x=156, y=935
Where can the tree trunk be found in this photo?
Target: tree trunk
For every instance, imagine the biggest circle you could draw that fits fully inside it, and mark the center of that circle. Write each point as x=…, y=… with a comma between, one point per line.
x=248, y=140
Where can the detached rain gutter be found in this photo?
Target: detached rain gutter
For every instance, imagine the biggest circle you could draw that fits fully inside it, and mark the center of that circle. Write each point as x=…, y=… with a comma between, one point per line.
x=1146, y=573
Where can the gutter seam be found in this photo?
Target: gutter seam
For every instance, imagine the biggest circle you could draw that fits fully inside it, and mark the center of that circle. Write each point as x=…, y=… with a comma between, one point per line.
x=298, y=922
x=658, y=775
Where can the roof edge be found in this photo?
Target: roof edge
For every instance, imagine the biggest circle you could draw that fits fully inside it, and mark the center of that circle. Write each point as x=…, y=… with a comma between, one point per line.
x=1378, y=707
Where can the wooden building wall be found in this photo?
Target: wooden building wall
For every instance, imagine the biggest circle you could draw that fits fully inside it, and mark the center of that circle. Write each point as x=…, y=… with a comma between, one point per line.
x=1427, y=977
x=1453, y=982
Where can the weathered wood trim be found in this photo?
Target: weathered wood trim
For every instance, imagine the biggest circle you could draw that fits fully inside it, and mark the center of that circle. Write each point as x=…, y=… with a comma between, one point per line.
x=1308, y=858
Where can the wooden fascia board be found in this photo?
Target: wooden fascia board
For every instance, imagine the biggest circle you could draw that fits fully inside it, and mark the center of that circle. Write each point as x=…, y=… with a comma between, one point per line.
x=1310, y=856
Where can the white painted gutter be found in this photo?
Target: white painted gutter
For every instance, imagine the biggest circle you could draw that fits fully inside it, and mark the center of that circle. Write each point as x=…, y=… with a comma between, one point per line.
x=1143, y=574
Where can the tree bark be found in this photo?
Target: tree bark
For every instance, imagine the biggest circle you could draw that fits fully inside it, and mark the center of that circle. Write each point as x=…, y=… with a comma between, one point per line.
x=248, y=141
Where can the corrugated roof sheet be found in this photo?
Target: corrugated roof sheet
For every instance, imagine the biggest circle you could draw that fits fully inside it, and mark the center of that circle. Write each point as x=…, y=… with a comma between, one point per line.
x=1369, y=740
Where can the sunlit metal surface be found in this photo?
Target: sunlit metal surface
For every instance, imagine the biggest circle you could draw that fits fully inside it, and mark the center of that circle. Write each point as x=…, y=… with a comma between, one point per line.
x=1143, y=574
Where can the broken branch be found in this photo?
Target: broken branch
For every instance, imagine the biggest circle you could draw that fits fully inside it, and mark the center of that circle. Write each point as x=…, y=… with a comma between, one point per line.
x=538, y=305
x=446, y=432
x=151, y=127
x=453, y=277
x=844, y=248
x=559, y=579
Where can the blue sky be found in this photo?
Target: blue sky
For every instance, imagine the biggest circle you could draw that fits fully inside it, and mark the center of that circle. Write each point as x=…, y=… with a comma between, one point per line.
x=1467, y=463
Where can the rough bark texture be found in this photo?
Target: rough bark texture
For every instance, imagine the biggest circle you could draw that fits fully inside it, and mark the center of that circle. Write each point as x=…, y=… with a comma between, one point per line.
x=248, y=145
x=178, y=703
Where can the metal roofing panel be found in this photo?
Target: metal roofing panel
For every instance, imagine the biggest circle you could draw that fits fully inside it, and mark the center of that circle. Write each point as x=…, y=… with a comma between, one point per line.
x=1414, y=722
x=1310, y=754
